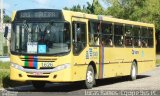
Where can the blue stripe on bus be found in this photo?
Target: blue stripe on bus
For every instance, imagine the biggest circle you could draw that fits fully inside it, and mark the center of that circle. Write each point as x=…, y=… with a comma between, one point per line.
x=35, y=62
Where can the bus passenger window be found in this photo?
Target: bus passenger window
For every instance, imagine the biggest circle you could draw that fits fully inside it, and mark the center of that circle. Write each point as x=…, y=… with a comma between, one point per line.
x=94, y=33
x=79, y=37
x=128, y=35
x=150, y=38
x=136, y=36
x=144, y=37
x=107, y=34
x=118, y=35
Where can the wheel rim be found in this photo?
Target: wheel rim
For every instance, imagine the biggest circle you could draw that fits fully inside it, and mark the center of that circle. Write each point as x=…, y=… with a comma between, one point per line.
x=90, y=77
x=134, y=71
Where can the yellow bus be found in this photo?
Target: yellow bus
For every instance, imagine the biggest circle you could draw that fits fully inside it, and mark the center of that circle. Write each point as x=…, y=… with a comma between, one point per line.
x=49, y=45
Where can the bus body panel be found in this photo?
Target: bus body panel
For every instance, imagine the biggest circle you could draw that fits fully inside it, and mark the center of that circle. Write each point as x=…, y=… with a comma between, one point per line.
x=57, y=76
x=118, y=63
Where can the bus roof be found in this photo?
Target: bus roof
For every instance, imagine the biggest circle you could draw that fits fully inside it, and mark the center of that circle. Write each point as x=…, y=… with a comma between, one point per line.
x=108, y=18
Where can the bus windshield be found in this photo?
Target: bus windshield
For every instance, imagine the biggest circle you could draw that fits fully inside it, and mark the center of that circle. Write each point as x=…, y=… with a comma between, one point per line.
x=40, y=38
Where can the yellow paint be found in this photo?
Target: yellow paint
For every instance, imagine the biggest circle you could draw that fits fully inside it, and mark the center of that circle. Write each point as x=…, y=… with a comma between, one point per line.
x=13, y=15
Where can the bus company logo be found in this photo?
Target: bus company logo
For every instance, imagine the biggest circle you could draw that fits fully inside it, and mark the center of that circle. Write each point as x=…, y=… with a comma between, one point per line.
x=134, y=52
x=87, y=55
x=142, y=55
x=90, y=54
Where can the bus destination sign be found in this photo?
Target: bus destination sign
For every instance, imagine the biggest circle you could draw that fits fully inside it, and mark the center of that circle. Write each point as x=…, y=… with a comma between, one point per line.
x=39, y=14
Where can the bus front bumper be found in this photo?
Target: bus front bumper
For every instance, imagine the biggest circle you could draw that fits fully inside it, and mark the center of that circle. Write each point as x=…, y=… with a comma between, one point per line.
x=60, y=73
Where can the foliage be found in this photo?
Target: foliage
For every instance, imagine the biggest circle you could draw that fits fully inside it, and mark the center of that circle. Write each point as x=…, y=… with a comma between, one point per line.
x=137, y=10
x=97, y=7
x=3, y=75
x=4, y=65
x=158, y=62
x=7, y=19
x=94, y=8
x=5, y=81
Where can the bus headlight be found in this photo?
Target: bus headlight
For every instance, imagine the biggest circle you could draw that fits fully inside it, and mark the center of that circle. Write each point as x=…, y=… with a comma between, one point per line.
x=16, y=66
x=61, y=67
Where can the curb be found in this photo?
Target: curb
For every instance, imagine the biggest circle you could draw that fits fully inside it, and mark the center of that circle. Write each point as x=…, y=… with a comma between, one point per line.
x=19, y=87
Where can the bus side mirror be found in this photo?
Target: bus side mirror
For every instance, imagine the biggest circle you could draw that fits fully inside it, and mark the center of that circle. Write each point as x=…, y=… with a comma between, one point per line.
x=6, y=32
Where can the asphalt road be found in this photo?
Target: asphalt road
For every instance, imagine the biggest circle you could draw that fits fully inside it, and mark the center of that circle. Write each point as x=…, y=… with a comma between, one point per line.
x=146, y=81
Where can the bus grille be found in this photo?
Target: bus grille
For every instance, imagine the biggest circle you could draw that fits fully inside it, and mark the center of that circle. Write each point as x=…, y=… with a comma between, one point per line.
x=39, y=68
x=39, y=59
x=36, y=76
x=31, y=62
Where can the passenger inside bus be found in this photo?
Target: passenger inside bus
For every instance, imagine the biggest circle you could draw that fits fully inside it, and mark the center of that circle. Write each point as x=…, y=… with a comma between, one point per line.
x=97, y=34
x=109, y=42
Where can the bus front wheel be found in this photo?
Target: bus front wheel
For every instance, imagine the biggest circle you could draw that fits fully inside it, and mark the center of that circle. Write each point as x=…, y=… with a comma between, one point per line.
x=90, y=77
x=133, y=71
x=38, y=84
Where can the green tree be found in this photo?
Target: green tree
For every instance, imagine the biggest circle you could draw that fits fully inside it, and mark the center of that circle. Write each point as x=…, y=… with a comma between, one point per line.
x=137, y=10
x=94, y=8
x=125, y=8
x=97, y=8
x=7, y=19
x=66, y=8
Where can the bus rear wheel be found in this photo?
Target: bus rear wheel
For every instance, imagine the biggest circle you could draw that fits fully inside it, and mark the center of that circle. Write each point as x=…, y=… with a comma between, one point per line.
x=38, y=84
x=133, y=74
x=90, y=77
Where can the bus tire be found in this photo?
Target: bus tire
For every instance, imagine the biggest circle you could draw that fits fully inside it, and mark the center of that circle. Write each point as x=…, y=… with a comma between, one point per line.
x=133, y=74
x=90, y=77
x=38, y=84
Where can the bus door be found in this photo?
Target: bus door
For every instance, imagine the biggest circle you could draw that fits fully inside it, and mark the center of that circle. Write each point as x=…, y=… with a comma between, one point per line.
x=79, y=42
x=79, y=39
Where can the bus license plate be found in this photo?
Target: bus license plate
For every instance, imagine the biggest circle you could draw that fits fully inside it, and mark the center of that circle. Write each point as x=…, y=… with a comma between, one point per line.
x=37, y=73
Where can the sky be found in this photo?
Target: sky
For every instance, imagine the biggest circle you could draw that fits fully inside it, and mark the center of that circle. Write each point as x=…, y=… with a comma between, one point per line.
x=13, y=5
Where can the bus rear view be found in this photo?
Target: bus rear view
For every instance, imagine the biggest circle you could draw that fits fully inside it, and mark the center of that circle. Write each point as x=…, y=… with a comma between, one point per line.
x=39, y=37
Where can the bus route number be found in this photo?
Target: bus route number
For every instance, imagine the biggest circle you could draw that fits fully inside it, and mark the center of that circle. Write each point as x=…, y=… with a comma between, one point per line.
x=47, y=64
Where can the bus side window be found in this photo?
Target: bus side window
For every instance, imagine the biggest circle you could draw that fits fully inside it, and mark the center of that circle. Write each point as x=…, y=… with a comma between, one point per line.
x=136, y=36
x=107, y=34
x=94, y=33
x=144, y=37
x=150, y=37
x=79, y=37
x=128, y=36
x=118, y=35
